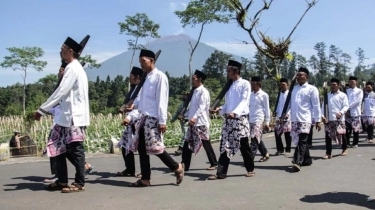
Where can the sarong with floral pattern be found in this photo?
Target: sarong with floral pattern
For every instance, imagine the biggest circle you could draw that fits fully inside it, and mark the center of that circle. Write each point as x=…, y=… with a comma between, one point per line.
x=356, y=123
x=256, y=131
x=297, y=128
x=127, y=135
x=368, y=120
x=195, y=135
x=283, y=127
x=153, y=139
x=335, y=130
x=233, y=131
x=61, y=136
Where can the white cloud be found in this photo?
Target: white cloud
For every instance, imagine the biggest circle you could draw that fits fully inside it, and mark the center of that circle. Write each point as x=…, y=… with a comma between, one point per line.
x=179, y=31
x=174, y=5
x=236, y=48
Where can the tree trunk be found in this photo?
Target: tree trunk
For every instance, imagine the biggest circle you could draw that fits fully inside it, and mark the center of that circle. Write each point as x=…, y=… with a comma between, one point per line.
x=24, y=93
x=131, y=61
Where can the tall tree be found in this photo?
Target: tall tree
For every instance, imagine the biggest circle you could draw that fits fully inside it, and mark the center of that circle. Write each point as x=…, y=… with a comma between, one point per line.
x=277, y=50
x=22, y=59
x=89, y=61
x=138, y=26
x=215, y=66
x=358, y=71
x=202, y=12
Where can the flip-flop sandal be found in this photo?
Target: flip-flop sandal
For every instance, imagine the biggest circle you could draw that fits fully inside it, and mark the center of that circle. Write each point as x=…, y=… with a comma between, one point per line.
x=87, y=171
x=55, y=186
x=211, y=168
x=139, y=183
x=215, y=177
x=250, y=174
x=124, y=174
x=73, y=188
x=264, y=159
x=180, y=174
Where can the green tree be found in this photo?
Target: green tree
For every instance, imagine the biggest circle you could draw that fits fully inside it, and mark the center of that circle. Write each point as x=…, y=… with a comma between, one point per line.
x=215, y=66
x=138, y=26
x=88, y=61
x=359, y=69
x=202, y=12
x=277, y=50
x=23, y=59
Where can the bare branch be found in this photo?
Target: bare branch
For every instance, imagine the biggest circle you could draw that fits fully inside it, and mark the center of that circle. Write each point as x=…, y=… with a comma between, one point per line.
x=310, y=5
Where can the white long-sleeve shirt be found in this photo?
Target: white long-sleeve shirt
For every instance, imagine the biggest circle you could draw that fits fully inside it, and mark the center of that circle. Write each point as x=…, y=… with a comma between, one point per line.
x=199, y=107
x=259, y=107
x=237, y=98
x=304, y=105
x=56, y=112
x=73, y=97
x=369, y=105
x=355, y=96
x=337, y=102
x=280, y=105
x=153, y=98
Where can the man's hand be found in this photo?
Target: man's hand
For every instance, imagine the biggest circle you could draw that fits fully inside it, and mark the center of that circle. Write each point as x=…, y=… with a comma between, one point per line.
x=338, y=115
x=125, y=122
x=324, y=120
x=318, y=126
x=267, y=128
x=192, y=121
x=215, y=110
x=162, y=128
x=180, y=117
x=230, y=116
x=129, y=108
x=37, y=116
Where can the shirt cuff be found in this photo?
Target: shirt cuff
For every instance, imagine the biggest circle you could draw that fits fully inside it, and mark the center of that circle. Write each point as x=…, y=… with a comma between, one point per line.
x=42, y=112
x=129, y=118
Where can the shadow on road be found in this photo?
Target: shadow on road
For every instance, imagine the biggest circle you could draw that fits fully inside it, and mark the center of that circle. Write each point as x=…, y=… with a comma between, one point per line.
x=350, y=198
x=26, y=186
x=31, y=178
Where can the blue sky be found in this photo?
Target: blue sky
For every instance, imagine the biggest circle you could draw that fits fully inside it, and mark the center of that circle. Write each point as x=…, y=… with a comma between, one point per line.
x=348, y=24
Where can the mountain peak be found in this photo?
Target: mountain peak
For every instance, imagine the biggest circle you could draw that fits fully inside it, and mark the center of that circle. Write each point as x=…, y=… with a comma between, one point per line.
x=172, y=38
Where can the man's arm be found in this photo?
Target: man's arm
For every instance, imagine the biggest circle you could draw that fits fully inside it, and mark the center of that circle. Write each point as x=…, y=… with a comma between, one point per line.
x=65, y=86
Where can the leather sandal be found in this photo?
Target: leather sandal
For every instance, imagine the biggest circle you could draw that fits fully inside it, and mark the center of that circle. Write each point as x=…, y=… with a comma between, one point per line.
x=139, y=183
x=344, y=153
x=55, y=186
x=264, y=159
x=325, y=157
x=216, y=177
x=125, y=174
x=180, y=174
x=73, y=188
x=250, y=174
x=211, y=168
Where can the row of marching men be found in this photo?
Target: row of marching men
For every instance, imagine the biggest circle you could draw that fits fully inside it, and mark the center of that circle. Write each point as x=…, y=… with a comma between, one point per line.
x=146, y=107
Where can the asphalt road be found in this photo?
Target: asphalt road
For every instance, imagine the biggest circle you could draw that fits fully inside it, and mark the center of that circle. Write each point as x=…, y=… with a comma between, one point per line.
x=338, y=183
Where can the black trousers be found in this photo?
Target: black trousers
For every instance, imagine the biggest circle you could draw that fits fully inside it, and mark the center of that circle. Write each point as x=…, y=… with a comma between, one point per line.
x=349, y=130
x=301, y=153
x=248, y=152
x=329, y=144
x=370, y=131
x=279, y=142
x=77, y=157
x=261, y=147
x=144, y=159
x=53, y=163
x=309, y=139
x=129, y=161
x=186, y=154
